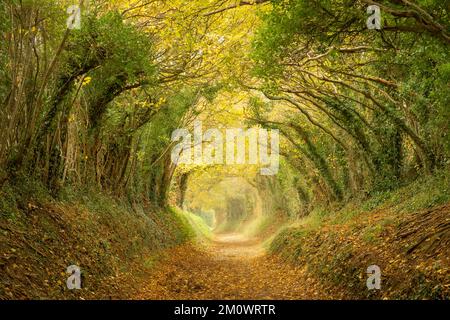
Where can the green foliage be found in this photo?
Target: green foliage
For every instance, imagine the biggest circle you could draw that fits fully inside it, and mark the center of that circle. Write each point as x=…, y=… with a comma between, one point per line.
x=127, y=51
x=288, y=243
x=19, y=194
x=395, y=124
x=195, y=226
x=291, y=21
x=360, y=234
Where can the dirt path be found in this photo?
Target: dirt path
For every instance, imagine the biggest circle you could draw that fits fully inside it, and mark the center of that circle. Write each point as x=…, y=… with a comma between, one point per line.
x=231, y=267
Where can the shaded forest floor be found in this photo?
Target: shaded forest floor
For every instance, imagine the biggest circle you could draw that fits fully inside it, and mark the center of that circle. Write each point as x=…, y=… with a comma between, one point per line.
x=411, y=249
x=133, y=252
x=230, y=267
x=108, y=239
x=329, y=262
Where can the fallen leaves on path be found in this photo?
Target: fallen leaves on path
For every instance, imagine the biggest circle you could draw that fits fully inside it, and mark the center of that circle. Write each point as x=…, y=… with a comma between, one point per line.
x=229, y=268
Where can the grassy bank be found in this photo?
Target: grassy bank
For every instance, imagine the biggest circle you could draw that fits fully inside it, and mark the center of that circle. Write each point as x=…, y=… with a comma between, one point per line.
x=405, y=232
x=198, y=229
x=109, y=239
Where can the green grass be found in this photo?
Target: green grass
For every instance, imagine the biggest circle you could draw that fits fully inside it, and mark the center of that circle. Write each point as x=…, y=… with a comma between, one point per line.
x=259, y=225
x=18, y=194
x=152, y=260
x=332, y=243
x=426, y=192
x=372, y=233
x=196, y=227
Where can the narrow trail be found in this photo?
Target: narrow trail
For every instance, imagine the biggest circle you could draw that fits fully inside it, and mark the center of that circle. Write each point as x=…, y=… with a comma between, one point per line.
x=230, y=267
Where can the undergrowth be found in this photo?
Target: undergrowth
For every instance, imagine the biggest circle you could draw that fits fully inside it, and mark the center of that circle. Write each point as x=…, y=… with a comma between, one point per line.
x=338, y=246
x=106, y=236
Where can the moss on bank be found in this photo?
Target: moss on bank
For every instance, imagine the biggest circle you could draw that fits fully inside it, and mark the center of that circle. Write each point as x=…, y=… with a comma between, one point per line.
x=109, y=239
x=405, y=232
